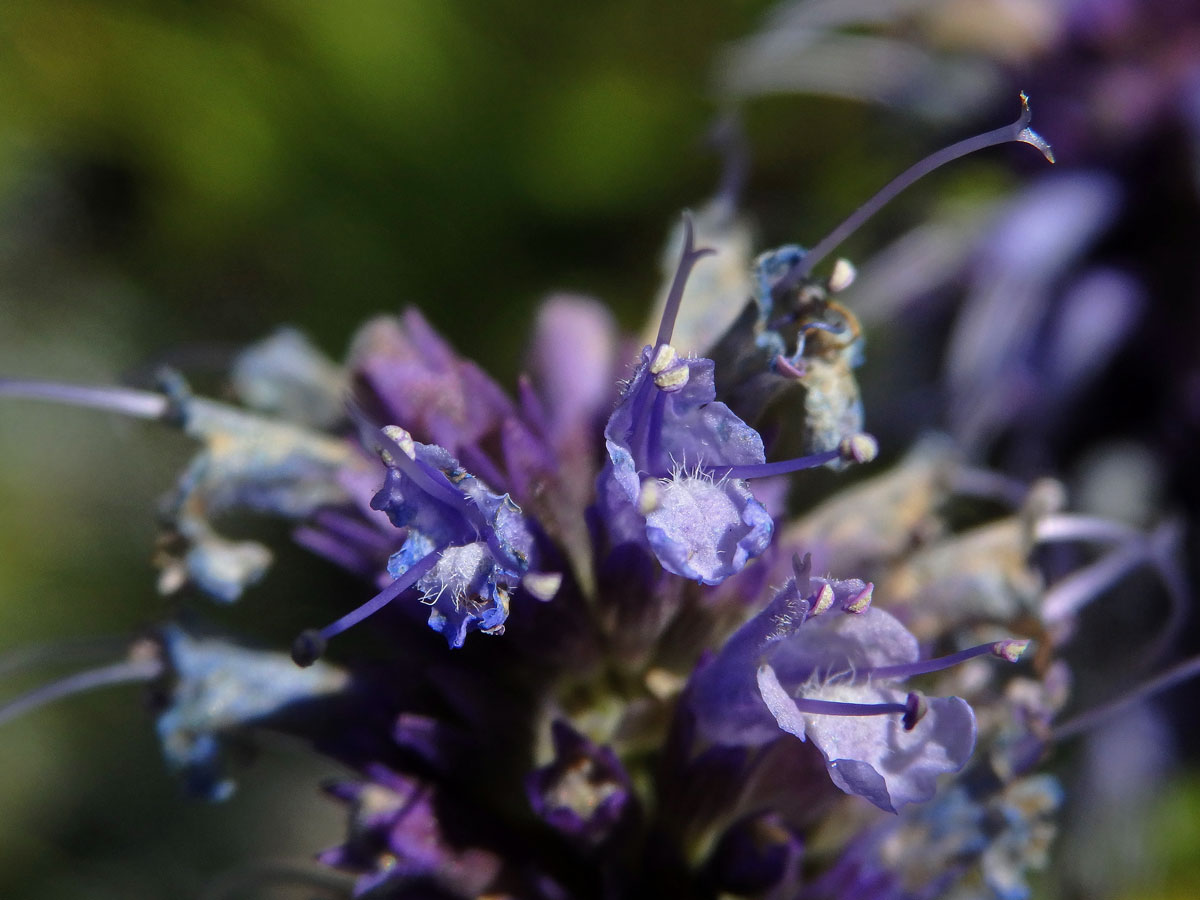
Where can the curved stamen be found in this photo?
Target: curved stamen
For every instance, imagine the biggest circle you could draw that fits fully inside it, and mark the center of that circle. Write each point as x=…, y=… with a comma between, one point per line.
x=1017, y=131
x=126, y=401
x=1007, y=650
x=309, y=646
x=855, y=448
x=1178, y=674
x=129, y=671
x=687, y=260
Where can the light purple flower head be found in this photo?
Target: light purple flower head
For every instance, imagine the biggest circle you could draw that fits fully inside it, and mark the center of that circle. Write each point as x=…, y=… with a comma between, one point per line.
x=663, y=439
x=820, y=662
x=466, y=546
x=678, y=460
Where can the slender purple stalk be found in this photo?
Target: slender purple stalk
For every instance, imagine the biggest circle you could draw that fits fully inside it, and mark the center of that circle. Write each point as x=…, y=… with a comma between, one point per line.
x=687, y=260
x=1176, y=675
x=380, y=600
x=925, y=666
x=1017, y=131
x=838, y=708
x=783, y=467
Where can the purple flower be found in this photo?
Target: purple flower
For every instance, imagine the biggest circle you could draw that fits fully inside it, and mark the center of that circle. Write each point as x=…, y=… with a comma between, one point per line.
x=678, y=459
x=584, y=792
x=820, y=662
x=664, y=440
x=467, y=547
x=634, y=736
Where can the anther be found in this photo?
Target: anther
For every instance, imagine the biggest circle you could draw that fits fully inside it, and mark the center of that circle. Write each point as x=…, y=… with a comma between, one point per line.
x=858, y=448
x=915, y=707
x=823, y=600
x=673, y=378
x=861, y=601
x=1010, y=650
x=402, y=439
x=542, y=585
x=664, y=357
x=649, y=497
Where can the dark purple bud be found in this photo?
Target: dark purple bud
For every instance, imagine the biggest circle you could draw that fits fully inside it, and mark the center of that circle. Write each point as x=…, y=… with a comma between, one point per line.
x=584, y=793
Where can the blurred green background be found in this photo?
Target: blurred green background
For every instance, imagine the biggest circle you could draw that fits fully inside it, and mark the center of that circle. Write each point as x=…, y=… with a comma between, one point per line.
x=178, y=178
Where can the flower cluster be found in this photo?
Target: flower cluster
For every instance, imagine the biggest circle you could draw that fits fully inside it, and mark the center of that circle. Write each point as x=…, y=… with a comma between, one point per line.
x=649, y=677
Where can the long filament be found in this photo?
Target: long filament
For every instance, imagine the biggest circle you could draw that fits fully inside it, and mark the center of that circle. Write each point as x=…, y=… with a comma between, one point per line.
x=687, y=260
x=138, y=670
x=126, y=401
x=1017, y=131
x=925, y=666
x=382, y=599
x=783, y=467
x=1178, y=674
